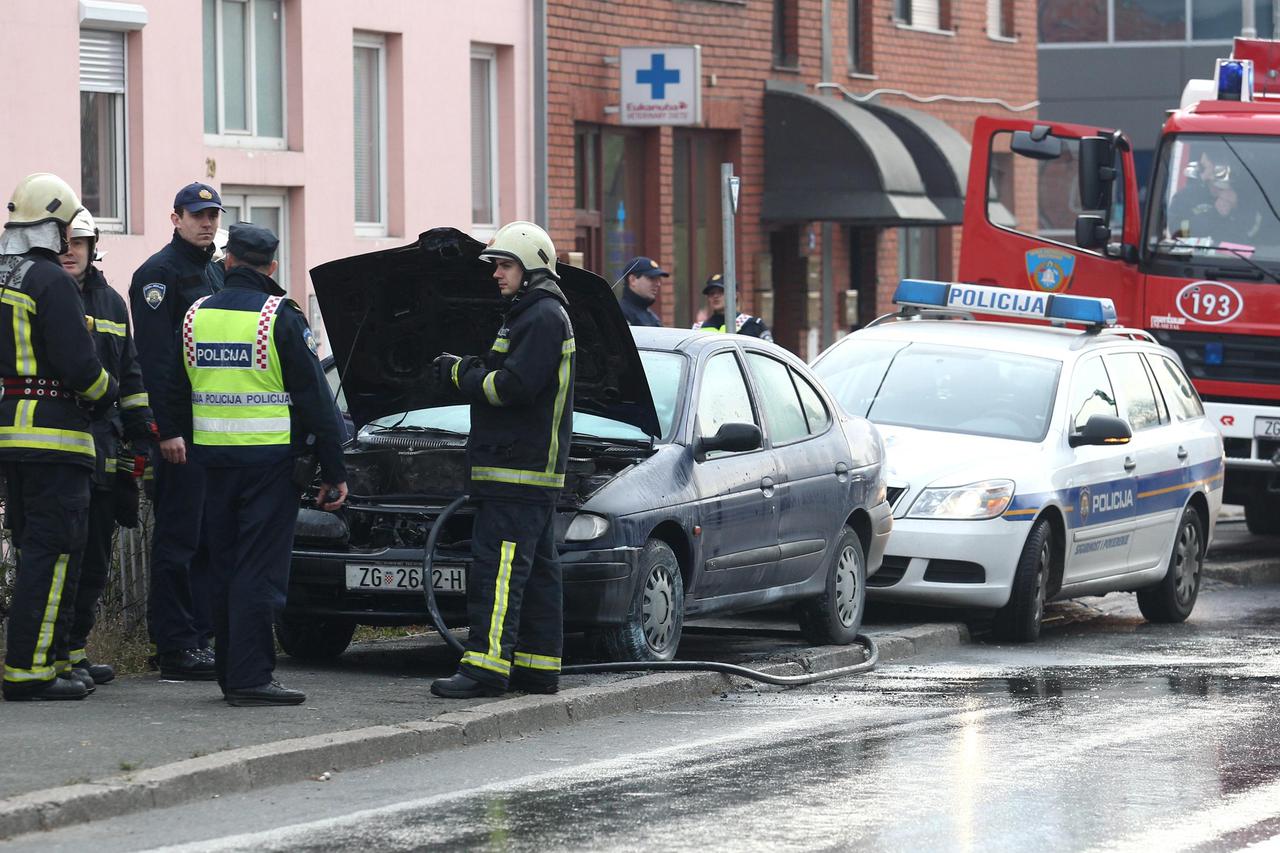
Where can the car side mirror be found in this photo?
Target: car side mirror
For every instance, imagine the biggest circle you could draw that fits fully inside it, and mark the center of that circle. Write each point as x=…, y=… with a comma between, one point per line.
x=735, y=438
x=1101, y=430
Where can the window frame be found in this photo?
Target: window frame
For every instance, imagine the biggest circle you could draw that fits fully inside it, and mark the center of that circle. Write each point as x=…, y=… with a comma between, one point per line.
x=1115, y=370
x=757, y=416
x=1000, y=13
x=250, y=138
x=857, y=49
x=1188, y=34
x=246, y=197
x=120, y=111
x=375, y=228
x=785, y=48
x=489, y=54
x=751, y=355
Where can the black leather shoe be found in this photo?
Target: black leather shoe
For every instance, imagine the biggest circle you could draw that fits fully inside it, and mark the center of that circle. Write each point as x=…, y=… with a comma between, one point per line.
x=271, y=693
x=59, y=688
x=521, y=683
x=81, y=675
x=462, y=686
x=101, y=673
x=186, y=665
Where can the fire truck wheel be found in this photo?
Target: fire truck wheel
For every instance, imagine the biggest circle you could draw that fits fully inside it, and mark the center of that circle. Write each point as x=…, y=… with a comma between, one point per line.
x=1262, y=515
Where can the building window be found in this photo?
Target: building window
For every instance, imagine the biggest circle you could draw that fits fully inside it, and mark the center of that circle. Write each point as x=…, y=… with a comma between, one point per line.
x=370, y=123
x=918, y=253
x=786, y=34
x=902, y=11
x=696, y=218
x=102, y=129
x=266, y=207
x=925, y=14
x=859, y=53
x=1086, y=21
x=1000, y=19
x=610, y=212
x=244, y=69
x=484, y=138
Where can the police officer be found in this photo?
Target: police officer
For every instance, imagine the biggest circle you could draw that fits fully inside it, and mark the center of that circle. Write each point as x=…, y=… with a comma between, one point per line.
x=108, y=322
x=163, y=288
x=743, y=324
x=644, y=279
x=256, y=392
x=521, y=395
x=51, y=378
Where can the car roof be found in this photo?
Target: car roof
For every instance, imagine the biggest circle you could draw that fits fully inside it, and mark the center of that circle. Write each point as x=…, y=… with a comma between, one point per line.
x=1020, y=338
x=694, y=341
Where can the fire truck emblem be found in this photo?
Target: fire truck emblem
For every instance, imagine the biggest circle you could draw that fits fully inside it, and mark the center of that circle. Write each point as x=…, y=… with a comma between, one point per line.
x=1050, y=270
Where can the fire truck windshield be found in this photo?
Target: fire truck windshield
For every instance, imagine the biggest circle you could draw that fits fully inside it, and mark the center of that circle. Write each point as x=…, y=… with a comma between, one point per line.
x=1214, y=202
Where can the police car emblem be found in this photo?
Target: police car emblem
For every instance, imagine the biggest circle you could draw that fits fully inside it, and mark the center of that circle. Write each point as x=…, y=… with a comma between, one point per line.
x=1050, y=269
x=153, y=293
x=1084, y=504
x=312, y=343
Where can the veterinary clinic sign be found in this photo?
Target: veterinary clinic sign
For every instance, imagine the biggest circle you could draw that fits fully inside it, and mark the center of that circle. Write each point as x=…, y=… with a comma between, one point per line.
x=661, y=85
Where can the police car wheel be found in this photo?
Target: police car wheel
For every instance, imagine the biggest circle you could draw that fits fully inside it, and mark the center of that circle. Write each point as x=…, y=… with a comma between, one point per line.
x=1262, y=515
x=835, y=617
x=1019, y=620
x=1172, y=599
x=655, y=621
x=315, y=640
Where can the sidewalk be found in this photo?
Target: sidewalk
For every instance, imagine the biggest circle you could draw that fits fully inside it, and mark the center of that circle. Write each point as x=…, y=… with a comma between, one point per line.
x=140, y=743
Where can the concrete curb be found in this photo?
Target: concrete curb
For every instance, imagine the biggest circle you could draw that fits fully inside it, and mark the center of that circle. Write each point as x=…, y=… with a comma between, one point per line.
x=1250, y=573
x=296, y=759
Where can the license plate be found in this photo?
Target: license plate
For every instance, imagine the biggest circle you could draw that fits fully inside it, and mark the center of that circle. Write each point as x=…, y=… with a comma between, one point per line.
x=1266, y=427
x=405, y=578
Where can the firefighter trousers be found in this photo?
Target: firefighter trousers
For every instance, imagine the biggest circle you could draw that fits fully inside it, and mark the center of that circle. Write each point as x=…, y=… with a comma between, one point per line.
x=179, y=613
x=515, y=603
x=47, y=509
x=94, y=569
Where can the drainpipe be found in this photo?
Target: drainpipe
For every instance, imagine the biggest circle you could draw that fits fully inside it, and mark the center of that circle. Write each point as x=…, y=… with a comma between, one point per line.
x=828, y=280
x=540, y=112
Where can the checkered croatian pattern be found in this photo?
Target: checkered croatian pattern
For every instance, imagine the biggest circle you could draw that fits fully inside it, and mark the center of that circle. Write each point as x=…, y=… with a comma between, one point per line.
x=189, y=332
x=262, y=345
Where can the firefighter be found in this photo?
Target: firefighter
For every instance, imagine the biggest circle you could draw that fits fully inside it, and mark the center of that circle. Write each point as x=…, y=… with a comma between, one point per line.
x=521, y=395
x=52, y=379
x=164, y=287
x=744, y=323
x=113, y=495
x=255, y=393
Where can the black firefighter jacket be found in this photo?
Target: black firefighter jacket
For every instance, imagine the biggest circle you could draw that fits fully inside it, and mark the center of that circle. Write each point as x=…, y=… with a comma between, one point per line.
x=521, y=396
x=108, y=321
x=163, y=289
x=50, y=368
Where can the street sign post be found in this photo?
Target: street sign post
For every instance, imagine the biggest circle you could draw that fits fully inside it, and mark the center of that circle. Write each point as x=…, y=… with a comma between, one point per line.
x=729, y=184
x=661, y=85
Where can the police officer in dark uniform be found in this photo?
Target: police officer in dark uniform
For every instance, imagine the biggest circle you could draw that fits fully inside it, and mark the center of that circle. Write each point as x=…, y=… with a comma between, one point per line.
x=254, y=393
x=52, y=379
x=643, y=279
x=164, y=287
x=521, y=396
x=114, y=493
x=744, y=324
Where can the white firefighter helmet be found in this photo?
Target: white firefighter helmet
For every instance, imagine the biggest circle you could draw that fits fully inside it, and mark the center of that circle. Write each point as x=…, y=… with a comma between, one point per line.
x=84, y=226
x=526, y=243
x=40, y=198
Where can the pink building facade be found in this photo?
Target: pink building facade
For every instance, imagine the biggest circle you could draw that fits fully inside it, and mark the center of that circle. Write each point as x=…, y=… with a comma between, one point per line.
x=346, y=127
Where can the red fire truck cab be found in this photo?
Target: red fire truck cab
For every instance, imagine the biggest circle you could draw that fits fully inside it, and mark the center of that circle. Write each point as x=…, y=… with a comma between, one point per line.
x=1198, y=265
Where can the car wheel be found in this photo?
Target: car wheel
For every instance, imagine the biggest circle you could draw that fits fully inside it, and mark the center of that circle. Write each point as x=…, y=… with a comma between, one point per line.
x=1262, y=515
x=1172, y=599
x=1019, y=620
x=835, y=617
x=314, y=640
x=652, y=629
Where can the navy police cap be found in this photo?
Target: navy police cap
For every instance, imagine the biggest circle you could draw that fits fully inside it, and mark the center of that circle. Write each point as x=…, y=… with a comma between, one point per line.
x=196, y=197
x=252, y=244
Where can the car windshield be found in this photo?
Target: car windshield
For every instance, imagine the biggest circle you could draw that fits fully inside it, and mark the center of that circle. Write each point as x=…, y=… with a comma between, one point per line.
x=943, y=388
x=1214, y=203
x=663, y=370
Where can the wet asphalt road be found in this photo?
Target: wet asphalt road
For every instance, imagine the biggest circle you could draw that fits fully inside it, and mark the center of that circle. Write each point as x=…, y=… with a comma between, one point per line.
x=1109, y=734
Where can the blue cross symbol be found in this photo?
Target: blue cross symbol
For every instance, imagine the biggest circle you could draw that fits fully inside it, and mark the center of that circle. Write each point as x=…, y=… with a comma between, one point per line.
x=657, y=76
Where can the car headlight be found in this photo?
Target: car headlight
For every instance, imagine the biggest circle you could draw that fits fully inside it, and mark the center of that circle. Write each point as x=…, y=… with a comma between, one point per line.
x=986, y=499
x=584, y=527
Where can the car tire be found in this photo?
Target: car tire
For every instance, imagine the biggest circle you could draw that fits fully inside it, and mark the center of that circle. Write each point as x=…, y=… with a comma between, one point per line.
x=314, y=640
x=835, y=617
x=1172, y=599
x=655, y=620
x=1019, y=621
x=1262, y=515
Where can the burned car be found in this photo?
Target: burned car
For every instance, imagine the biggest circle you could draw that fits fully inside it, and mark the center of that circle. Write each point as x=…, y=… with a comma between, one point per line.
x=708, y=472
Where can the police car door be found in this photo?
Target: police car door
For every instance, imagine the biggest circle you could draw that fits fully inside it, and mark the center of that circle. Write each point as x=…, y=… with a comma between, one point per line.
x=1161, y=461
x=1100, y=483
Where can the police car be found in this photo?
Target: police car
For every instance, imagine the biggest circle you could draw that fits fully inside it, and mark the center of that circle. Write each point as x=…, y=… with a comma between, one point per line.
x=1031, y=462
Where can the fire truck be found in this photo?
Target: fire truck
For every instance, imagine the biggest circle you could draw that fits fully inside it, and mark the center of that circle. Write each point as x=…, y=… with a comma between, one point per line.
x=1198, y=265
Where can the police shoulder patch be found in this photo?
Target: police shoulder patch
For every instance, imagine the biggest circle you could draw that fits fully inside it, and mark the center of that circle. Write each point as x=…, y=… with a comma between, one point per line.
x=153, y=293
x=312, y=344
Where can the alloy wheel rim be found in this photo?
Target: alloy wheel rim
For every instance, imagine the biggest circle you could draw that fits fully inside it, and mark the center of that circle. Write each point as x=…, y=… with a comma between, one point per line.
x=658, y=608
x=1186, y=562
x=847, y=586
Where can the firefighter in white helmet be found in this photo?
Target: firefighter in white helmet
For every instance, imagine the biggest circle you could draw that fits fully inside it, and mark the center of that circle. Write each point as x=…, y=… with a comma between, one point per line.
x=53, y=382
x=521, y=395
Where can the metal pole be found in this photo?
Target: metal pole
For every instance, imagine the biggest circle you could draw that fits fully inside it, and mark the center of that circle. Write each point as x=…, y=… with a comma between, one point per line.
x=828, y=287
x=730, y=249
x=1247, y=28
x=540, y=107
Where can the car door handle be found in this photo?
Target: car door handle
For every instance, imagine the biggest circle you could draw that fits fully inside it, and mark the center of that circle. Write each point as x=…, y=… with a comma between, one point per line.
x=1130, y=463
x=1182, y=453
x=766, y=486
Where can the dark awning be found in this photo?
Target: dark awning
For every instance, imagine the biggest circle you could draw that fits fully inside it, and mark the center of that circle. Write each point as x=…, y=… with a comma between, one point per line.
x=828, y=159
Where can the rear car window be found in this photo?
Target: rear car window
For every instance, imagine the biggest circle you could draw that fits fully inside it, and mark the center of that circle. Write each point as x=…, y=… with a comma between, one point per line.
x=1184, y=403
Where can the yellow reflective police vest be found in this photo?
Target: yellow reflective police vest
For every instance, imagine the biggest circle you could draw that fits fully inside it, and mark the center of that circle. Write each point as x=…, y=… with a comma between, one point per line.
x=237, y=386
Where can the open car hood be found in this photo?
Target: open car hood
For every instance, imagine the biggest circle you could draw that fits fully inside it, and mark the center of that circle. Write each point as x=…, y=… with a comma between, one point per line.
x=387, y=314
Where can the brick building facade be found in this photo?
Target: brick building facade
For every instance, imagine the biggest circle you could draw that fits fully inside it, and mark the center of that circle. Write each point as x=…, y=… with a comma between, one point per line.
x=780, y=79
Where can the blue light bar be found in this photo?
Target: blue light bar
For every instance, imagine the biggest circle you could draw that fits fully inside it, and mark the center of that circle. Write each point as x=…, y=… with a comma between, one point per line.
x=986, y=299
x=1233, y=78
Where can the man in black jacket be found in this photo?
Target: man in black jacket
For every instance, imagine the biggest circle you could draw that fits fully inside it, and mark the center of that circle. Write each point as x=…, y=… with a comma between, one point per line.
x=164, y=287
x=52, y=380
x=114, y=485
x=521, y=395
x=643, y=280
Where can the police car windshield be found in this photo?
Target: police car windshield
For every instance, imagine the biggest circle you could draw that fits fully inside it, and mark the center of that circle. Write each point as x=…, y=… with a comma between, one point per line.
x=948, y=389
